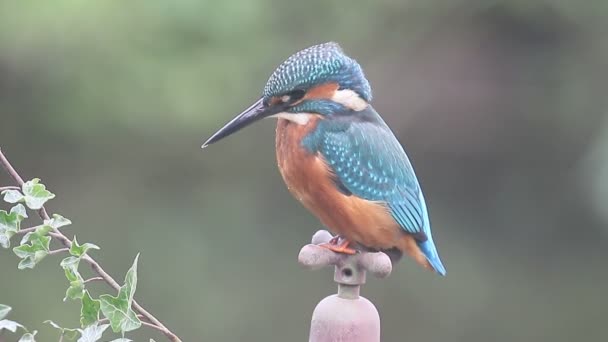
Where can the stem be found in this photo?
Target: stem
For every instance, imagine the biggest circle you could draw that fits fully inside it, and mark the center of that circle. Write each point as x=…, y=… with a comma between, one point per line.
x=10, y=187
x=144, y=323
x=58, y=251
x=33, y=229
x=155, y=323
x=25, y=231
x=93, y=279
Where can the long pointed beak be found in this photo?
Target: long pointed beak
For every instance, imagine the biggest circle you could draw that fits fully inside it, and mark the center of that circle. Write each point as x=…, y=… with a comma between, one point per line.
x=248, y=116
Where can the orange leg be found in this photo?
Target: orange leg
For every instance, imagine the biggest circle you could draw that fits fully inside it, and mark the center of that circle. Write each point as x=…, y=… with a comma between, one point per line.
x=339, y=248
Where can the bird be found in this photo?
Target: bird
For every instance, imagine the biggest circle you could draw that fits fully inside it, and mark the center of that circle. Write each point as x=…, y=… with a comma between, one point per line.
x=340, y=159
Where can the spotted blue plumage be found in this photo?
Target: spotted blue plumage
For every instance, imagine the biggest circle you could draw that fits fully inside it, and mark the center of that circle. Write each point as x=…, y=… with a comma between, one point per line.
x=318, y=64
x=370, y=163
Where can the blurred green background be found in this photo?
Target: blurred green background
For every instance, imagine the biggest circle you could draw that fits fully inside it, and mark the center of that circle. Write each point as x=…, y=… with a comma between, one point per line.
x=501, y=105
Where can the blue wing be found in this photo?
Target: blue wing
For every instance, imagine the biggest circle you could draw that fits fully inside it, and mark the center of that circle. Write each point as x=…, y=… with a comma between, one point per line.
x=370, y=163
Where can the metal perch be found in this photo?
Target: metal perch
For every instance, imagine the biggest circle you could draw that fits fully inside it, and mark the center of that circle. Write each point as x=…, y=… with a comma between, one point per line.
x=345, y=316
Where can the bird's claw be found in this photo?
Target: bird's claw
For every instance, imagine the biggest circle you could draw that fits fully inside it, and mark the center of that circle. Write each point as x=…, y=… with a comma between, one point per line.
x=343, y=248
x=334, y=240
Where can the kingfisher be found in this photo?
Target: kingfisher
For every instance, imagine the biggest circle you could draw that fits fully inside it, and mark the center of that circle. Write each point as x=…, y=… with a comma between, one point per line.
x=340, y=159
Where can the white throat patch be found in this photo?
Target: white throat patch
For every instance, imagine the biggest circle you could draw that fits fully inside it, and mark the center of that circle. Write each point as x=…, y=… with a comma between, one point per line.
x=349, y=99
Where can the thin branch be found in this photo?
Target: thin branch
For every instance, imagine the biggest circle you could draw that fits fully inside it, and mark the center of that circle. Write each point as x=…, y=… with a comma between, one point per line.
x=10, y=169
x=144, y=323
x=155, y=323
x=58, y=251
x=33, y=229
x=26, y=230
x=10, y=187
x=150, y=325
x=93, y=279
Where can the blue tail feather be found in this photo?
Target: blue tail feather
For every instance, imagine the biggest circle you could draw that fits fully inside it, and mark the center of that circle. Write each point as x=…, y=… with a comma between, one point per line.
x=428, y=249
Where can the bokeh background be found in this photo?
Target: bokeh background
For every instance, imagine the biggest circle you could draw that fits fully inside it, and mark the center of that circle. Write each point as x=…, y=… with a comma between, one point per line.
x=501, y=105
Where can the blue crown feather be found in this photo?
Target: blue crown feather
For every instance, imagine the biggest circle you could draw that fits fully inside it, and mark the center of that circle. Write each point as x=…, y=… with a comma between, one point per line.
x=318, y=64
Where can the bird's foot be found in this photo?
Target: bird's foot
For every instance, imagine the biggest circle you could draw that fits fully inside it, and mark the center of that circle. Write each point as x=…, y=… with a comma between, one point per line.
x=334, y=240
x=343, y=248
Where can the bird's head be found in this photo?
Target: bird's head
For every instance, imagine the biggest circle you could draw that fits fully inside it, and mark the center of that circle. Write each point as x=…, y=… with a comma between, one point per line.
x=320, y=80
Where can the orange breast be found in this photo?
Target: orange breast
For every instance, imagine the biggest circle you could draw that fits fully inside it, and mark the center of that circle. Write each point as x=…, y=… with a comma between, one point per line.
x=311, y=182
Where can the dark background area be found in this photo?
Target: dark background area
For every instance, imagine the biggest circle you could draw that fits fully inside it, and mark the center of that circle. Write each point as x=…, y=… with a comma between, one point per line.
x=501, y=106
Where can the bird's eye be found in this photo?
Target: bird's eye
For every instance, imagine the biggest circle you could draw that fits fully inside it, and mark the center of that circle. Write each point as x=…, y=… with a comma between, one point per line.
x=287, y=98
x=293, y=96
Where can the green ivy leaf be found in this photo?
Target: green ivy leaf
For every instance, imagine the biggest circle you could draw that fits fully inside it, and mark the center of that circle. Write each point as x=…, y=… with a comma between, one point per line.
x=70, y=265
x=28, y=337
x=7, y=324
x=36, y=194
x=4, y=310
x=75, y=291
x=35, y=251
x=19, y=209
x=10, y=325
x=43, y=230
x=57, y=221
x=5, y=240
x=10, y=223
x=30, y=255
x=12, y=196
x=68, y=333
x=92, y=333
x=89, y=312
x=118, y=309
x=70, y=268
x=78, y=250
